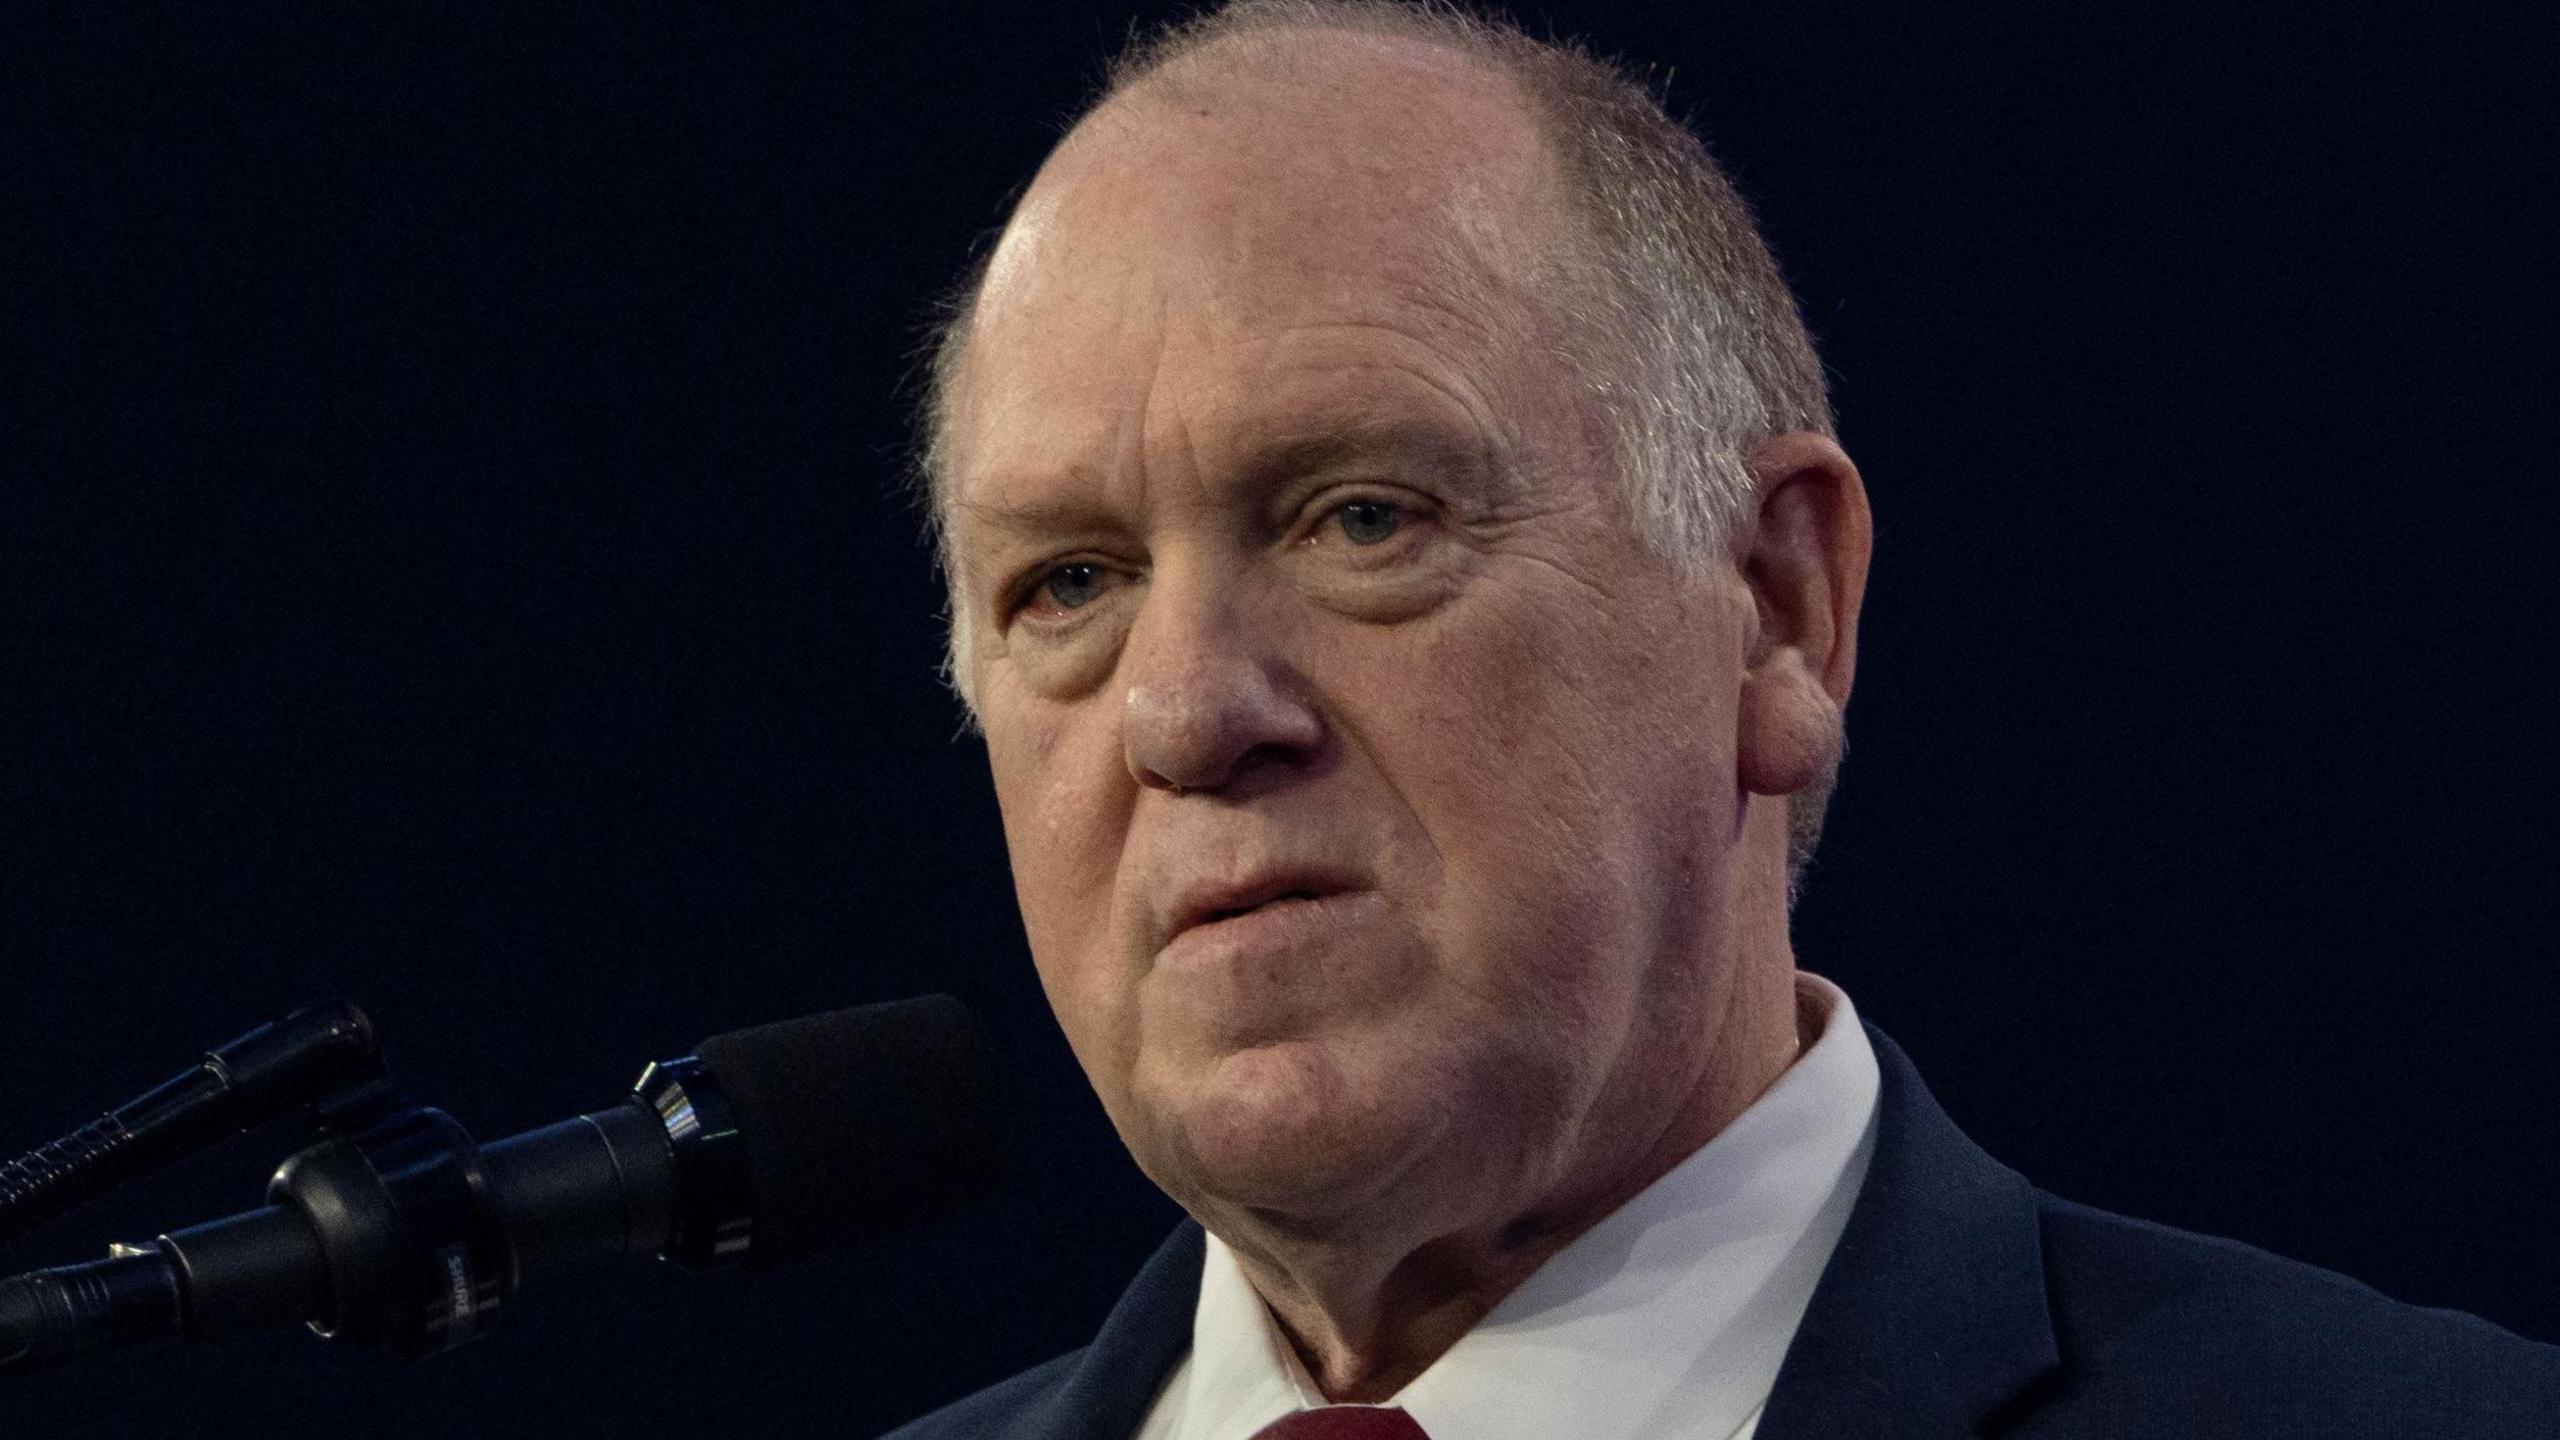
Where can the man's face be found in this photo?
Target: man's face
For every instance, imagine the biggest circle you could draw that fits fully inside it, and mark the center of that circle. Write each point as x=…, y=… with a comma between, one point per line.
x=1368, y=783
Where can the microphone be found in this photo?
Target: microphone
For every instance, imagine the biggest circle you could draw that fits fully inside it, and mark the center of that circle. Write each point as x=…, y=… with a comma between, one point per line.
x=314, y=1054
x=764, y=1145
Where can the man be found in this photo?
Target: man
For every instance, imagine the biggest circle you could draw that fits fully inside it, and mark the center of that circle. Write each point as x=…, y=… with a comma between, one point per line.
x=1407, y=583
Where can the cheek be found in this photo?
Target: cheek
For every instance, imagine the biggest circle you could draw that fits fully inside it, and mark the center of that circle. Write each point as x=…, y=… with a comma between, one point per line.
x=1546, y=728
x=1065, y=801
x=1562, y=765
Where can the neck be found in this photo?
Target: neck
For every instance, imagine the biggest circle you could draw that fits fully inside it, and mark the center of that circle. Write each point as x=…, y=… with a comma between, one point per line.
x=1369, y=1305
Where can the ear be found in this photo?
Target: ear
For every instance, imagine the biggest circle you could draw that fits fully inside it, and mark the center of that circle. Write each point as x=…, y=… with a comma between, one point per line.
x=1804, y=557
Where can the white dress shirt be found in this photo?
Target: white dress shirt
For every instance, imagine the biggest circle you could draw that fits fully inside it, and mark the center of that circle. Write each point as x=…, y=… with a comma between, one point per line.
x=1665, y=1321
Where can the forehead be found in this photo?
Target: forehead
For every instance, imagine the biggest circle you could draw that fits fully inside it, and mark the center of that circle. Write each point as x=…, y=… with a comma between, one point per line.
x=1353, y=223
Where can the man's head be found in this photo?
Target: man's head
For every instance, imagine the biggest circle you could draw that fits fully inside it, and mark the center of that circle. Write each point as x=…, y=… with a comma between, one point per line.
x=1394, y=687
x=1684, y=337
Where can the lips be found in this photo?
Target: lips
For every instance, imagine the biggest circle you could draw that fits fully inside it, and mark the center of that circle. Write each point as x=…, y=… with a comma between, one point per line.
x=1212, y=903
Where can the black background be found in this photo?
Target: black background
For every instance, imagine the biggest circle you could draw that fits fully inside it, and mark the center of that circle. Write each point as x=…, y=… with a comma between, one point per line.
x=452, y=562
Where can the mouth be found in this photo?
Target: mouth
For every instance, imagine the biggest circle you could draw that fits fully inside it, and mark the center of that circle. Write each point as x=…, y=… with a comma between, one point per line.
x=1231, y=912
x=1217, y=905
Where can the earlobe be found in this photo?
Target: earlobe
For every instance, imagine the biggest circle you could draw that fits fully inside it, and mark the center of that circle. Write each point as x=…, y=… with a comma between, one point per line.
x=1789, y=727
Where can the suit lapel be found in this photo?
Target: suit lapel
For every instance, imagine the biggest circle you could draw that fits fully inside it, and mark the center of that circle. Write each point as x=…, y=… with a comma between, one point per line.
x=1932, y=1315
x=1107, y=1390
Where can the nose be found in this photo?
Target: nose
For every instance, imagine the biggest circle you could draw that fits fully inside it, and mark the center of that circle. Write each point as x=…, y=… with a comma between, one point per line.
x=1213, y=703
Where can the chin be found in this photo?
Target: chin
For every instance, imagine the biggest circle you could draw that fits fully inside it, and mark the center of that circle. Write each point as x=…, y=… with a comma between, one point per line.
x=1290, y=1128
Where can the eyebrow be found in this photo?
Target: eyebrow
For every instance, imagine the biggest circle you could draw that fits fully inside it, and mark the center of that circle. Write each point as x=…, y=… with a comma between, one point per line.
x=1266, y=463
x=1436, y=444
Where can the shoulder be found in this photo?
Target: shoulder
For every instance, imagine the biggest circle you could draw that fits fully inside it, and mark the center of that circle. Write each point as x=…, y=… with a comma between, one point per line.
x=1006, y=1406
x=2297, y=1349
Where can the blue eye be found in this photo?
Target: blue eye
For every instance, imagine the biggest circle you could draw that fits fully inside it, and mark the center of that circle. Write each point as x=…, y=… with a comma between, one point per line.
x=1370, y=522
x=1074, y=586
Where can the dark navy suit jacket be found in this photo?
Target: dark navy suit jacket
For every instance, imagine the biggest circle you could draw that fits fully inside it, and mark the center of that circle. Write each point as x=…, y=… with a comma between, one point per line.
x=1963, y=1301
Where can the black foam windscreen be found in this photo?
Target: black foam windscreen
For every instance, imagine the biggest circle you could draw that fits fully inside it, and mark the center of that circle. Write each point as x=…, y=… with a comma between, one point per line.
x=861, y=1119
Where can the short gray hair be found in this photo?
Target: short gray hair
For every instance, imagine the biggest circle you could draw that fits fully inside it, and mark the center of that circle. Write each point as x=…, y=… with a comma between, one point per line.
x=1684, y=335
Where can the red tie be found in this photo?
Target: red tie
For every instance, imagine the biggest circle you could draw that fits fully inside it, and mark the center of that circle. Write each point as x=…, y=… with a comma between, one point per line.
x=1343, y=1422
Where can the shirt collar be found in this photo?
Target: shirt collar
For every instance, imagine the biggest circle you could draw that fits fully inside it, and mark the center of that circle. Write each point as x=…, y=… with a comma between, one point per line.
x=1668, y=1319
